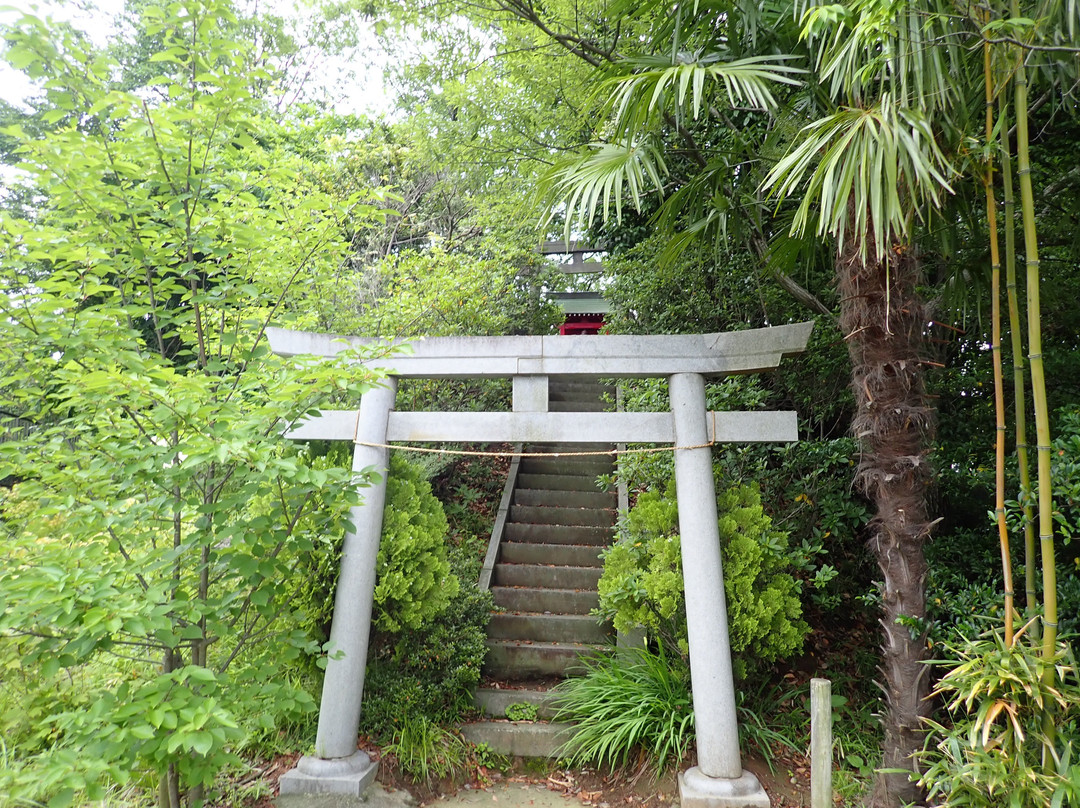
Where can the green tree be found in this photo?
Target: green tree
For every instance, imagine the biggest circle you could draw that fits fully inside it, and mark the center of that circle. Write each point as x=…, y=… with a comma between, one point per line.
x=150, y=540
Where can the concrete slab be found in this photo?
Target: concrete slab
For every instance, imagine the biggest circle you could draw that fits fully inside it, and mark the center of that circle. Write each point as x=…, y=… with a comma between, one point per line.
x=558, y=534
x=564, y=601
x=541, y=515
x=376, y=796
x=349, y=776
x=569, y=628
x=696, y=790
x=522, y=738
x=566, y=499
x=494, y=701
x=547, y=577
x=569, y=555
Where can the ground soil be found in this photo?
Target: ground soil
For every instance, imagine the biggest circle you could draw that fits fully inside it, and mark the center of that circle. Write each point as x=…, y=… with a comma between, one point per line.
x=788, y=785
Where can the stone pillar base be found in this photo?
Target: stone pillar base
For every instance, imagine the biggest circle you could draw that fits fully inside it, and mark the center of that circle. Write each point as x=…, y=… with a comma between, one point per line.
x=312, y=775
x=698, y=790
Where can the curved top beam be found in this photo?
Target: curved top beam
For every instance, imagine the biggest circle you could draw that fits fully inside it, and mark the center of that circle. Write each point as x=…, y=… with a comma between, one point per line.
x=606, y=355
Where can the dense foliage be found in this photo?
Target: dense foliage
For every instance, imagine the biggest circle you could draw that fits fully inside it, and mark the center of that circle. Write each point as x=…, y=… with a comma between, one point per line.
x=158, y=512
x=642, y=583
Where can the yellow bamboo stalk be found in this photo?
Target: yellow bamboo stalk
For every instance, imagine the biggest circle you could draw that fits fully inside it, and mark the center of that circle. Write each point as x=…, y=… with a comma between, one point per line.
x=995, y=348
x=1016, y=334
x=1035, y=362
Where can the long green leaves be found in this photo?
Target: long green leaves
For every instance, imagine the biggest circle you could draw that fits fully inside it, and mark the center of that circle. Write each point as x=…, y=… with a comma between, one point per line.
x=873, y=169
x=658, y=91
x=996, y=751
x=659, y=85
x=597, y=182
x=637, y=700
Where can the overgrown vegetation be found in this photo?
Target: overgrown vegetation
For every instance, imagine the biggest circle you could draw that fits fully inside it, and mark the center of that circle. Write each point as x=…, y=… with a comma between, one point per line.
x=179, y=189
x=158, y=512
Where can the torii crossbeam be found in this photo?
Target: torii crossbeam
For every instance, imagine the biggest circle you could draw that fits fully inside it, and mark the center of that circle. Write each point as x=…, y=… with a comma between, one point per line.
x=718, y=781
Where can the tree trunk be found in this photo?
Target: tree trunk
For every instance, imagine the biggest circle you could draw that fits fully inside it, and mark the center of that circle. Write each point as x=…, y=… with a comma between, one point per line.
x=883, y=319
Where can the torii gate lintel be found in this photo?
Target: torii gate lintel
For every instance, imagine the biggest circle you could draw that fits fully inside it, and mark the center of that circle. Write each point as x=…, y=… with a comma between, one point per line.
x=718, y=781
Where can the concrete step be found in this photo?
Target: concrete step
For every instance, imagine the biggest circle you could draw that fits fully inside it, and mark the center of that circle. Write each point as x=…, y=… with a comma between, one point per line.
x=563, y=628
x=592, y=394
x=572, y=466
x=493, y=701
x=558, y=482
x=570, y=447
x=523, y=660
x=519, y=738
x=565, y=499
x=558, y=534
x=534, y=599
x=579, y=406
x=568, y=384
x=567, y=555
x=536, y=515
x=546, y=577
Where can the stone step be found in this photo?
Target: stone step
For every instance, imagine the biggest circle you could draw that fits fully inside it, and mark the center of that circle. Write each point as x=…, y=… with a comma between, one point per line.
x=520, y=738
x=538, y=515
x=566, y=555
x=541, y=576
x=525, y=660
x=596, y=394
x=565, y=499
x=558, y=534
x=558, y=482
x=556, y=448
x=578, y=406
x=578, y=385
x=493, y=701
x=562, y=628
x=534, y=599
x=568, y=466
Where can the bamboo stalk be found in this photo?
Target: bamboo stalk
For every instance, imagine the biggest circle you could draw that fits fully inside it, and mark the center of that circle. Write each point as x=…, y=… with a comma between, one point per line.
x=995, y=348
x=1016, y=333
x=1038, y=377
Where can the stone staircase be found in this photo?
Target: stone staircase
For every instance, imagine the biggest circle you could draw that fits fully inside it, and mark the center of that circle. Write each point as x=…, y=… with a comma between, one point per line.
x=545, y=581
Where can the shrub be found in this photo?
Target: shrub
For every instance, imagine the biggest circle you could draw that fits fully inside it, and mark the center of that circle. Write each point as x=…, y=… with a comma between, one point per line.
x=642, y=581
x=428, y=673
x=413, y=579
x=997, y=750
x=413, y=582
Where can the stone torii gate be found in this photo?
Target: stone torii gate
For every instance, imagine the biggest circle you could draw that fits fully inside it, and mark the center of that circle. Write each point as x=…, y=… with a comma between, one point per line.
x=718, y=781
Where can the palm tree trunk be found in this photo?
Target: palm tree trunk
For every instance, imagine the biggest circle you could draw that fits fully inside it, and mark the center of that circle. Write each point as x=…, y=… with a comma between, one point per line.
x=883, y=318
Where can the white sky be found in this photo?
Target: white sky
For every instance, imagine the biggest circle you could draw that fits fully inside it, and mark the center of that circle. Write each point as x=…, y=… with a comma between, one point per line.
x=365, y=92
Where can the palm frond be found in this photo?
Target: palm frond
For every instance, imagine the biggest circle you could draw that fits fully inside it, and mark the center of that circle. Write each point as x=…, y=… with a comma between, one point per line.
x=911, y=50
x=598, y=181
x=659, y=85
x=870, y=169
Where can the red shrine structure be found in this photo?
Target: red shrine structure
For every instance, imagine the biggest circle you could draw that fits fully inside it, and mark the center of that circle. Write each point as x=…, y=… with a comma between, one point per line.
x=584, y=311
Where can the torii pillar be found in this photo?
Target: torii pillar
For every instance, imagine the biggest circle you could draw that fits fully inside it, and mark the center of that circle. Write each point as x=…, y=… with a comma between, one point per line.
x=718, y=781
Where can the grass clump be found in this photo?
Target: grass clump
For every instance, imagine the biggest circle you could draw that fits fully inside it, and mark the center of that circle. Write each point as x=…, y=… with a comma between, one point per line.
x=621, y=704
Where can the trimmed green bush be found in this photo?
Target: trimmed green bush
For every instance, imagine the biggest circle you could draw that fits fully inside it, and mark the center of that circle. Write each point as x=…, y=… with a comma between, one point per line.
x=413, y=577
x=427, y=674
x=642, y=583
x=414, y=580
